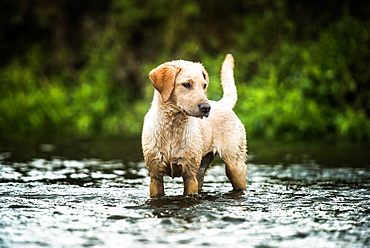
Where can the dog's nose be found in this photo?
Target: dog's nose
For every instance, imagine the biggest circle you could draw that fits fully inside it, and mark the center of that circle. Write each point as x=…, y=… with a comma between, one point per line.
x=204, y=108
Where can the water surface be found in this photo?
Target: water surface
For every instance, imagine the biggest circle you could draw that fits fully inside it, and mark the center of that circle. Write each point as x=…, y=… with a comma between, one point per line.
x=94, y=194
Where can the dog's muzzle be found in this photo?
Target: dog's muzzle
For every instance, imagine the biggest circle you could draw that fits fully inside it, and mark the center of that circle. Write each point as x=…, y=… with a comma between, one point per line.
x=204, y=108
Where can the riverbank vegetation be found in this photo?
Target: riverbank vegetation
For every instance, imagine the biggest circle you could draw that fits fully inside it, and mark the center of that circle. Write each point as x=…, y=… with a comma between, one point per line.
x=80, y=67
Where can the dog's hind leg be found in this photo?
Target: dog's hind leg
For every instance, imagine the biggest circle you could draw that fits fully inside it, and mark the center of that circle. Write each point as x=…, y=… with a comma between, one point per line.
x=206, y=161
x=236, y=168
x=237, y=174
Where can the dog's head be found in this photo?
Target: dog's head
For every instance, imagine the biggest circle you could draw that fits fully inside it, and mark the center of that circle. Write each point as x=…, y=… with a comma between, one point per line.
x=184, y=83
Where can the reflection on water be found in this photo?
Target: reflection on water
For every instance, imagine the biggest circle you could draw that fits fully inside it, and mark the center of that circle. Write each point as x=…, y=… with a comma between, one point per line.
x=53, y=199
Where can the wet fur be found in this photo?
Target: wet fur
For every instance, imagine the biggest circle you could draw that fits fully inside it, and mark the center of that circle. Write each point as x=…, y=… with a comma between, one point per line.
x=180, y=137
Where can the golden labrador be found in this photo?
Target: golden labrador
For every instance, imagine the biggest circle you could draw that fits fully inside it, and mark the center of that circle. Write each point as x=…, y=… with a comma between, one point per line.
x=178, y=141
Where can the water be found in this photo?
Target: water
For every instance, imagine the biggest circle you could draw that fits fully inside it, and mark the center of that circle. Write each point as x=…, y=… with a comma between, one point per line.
x=90, y=193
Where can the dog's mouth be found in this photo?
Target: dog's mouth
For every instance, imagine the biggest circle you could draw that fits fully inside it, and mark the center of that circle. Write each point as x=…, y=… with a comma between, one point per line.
x=202, y=110
x=201, y=115
x=198, y=114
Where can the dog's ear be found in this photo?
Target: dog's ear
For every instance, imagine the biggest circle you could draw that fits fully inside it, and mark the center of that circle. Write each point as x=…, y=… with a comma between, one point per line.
x=163, y=79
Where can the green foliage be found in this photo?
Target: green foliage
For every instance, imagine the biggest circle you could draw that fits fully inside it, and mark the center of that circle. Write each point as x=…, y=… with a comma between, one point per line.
x=316, y=88
x=299, y=76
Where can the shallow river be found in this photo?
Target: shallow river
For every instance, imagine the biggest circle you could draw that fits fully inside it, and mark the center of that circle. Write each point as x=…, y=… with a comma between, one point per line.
x=52, y=195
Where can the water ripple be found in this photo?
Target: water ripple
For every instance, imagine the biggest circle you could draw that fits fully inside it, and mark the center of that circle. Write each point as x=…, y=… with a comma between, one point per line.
x=67, y=203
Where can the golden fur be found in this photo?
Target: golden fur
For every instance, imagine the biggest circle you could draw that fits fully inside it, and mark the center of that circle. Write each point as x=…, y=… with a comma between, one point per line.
x=183, y=130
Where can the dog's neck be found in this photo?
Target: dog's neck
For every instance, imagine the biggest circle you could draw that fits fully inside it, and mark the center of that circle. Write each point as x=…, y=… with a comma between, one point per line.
x=169, y=113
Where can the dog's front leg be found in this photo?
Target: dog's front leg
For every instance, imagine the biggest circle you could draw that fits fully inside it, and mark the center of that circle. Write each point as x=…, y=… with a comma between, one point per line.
x=156, y=187
x=190, y=184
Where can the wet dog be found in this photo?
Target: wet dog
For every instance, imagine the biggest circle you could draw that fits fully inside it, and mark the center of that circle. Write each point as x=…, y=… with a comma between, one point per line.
x=183, y=130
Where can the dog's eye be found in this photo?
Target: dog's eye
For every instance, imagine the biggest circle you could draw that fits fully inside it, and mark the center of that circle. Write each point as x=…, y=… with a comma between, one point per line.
x=204, y=75
x=187, y=85
x=204, y=86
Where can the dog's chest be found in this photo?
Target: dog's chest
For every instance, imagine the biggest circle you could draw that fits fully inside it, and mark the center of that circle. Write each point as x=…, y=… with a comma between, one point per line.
x=179, y=153
x=172, y=142
x=175, y=143
x=178, y=143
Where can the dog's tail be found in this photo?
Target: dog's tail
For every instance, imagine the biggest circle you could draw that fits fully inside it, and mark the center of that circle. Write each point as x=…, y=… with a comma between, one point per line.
x=230, y=95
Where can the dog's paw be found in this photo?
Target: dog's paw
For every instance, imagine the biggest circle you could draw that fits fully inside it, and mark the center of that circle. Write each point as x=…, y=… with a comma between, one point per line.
x=235, y=193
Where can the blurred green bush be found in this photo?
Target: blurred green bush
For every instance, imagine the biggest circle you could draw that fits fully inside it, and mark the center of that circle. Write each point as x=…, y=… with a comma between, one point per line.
x=79, y=68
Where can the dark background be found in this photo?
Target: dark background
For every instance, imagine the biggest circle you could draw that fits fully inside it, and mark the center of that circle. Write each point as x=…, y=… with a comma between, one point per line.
x=79, y=68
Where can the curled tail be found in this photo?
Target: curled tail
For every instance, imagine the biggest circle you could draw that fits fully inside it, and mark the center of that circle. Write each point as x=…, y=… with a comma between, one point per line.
x=230, y=96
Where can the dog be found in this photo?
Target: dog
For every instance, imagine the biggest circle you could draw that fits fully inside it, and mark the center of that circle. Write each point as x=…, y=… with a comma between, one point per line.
x=183, y=130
